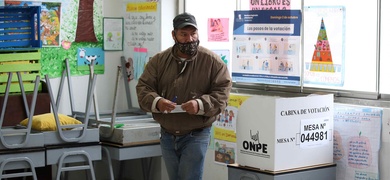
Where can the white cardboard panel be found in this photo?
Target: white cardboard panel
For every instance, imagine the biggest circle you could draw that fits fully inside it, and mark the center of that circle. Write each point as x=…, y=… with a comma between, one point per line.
x=269, y=131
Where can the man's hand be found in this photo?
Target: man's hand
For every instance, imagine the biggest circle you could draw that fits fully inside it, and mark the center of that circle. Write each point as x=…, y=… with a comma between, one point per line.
x=165, y=105
x=191, y=107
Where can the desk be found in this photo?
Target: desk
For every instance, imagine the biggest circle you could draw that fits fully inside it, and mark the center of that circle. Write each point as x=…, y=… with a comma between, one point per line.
x=121, y=153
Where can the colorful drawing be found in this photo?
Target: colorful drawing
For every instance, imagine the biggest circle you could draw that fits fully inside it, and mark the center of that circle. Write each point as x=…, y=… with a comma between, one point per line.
x=86, y=56
x=218, y=29
x=322, y=56
x=50, y=24
x=225, y=152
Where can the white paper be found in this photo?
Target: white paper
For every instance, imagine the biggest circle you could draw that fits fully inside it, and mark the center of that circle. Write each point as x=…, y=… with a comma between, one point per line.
x=178, y=109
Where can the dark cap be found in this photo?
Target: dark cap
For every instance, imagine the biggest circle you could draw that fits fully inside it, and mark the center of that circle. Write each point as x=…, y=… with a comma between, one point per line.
x=184, y=19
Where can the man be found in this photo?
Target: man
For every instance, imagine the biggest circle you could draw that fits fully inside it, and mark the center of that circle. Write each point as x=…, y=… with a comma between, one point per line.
x=195, y=78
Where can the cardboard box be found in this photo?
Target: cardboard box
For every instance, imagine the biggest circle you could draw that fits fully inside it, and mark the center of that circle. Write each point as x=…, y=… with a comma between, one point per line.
x=275, y=133
x=133, y=132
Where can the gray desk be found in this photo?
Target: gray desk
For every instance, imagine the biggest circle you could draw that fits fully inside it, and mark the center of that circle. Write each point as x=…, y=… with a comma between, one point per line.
x=120, y=153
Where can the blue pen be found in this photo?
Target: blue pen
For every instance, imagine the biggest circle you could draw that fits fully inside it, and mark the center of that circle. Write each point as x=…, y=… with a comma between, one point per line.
x=174, y=99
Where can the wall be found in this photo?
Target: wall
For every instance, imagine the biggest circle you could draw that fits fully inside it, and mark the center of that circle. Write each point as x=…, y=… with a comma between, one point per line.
x=105, y=89
x=106, y=82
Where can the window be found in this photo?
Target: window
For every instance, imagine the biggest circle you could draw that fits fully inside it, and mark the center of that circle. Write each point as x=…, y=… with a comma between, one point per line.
x=357, y=40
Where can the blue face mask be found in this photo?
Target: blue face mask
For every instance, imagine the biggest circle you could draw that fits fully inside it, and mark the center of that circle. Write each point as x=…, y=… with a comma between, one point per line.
x=189, y=48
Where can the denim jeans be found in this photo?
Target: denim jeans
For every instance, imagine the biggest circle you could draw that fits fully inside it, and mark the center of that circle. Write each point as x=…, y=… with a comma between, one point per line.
x=184, y=155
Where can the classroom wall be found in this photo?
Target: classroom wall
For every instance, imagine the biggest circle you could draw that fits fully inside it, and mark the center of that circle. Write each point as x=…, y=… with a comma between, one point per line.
x=105, y=91
x=105, y=84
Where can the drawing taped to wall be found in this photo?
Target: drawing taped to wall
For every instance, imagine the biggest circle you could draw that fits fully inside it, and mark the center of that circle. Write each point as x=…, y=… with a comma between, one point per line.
x=225, y=56
x=225, y=152
x=50, y=24
x=357, y=139
x=324, y=60
x=218, y=29
x=86, y=56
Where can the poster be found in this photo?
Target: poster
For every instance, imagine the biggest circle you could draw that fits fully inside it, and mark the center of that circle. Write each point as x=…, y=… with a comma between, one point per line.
x=266, y=47
x=142, y=33
x=225, y=152
x=324, y=41
x=86, y=56
x=357, y=138
x=218, y=30
x=113, y=34
x=50, y=24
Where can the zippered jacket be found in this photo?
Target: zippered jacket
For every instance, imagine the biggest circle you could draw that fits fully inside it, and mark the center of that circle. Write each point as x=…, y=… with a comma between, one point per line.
x=204, y=77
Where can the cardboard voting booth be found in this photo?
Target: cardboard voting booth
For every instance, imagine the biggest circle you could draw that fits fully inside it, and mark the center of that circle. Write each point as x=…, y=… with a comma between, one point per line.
x=275, y=133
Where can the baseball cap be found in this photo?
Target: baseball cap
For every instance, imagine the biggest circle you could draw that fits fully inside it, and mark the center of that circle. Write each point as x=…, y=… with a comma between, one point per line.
x=183, y=20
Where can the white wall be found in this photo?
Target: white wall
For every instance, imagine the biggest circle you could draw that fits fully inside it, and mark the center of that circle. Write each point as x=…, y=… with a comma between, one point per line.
x=105, y=87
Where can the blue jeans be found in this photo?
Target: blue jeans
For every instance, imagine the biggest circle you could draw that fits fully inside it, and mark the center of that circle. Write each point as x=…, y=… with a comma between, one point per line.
x=184, y=155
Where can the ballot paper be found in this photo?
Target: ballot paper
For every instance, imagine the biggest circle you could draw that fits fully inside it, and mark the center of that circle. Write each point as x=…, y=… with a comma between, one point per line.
x=178, y=109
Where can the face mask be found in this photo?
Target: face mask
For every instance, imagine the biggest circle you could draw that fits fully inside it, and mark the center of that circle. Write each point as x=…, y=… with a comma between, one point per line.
x=188, y=48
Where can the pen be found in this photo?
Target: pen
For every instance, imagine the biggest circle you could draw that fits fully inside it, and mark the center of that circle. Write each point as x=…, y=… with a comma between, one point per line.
x=174, y=99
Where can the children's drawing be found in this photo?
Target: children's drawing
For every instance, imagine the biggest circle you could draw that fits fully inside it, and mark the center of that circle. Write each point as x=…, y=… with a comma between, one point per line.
x=86, y=56
x=322, y=55
x=50, y=24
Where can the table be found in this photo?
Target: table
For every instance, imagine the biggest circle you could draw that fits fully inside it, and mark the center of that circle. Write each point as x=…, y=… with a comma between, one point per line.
x=120, y=153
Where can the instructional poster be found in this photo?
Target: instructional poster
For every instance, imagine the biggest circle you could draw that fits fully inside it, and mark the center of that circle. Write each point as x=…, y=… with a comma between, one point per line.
x=324, y=45
x=142, y=37
x=266, y=46
x=357, y=132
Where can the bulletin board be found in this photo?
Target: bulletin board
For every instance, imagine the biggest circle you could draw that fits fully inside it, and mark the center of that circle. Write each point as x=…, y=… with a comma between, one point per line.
x=60, y=30
x=142, y=35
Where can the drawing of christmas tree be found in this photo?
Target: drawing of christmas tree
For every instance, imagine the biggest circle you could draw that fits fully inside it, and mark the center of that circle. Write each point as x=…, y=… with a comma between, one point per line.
x=322, y=56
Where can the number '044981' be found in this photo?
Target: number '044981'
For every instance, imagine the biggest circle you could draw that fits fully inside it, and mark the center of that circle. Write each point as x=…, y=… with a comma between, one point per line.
x=314, y=136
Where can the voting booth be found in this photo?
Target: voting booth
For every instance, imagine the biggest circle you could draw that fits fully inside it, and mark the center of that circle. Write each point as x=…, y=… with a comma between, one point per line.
x=276, y=133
